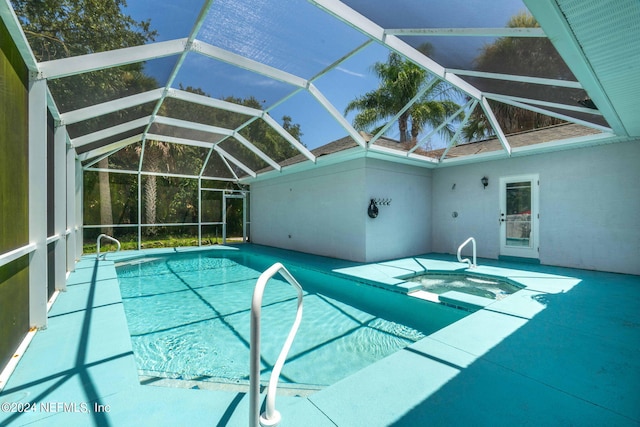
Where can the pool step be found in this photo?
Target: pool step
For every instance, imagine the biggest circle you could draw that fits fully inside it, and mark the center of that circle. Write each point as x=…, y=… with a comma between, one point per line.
x=136, y=261
x=425, y=295
x=464, y=301
x=284, y=389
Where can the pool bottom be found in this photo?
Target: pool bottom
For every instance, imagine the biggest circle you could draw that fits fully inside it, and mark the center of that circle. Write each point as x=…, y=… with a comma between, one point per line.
x=180, y=347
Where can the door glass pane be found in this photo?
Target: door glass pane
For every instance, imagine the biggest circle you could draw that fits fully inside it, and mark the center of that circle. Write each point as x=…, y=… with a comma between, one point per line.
x=518, y=219
x=234, y=218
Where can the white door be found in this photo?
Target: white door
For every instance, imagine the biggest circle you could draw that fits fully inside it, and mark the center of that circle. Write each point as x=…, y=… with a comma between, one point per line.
x=519, y=216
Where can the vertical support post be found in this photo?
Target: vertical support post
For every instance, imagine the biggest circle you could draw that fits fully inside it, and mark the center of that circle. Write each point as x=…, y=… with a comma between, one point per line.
x=79, y=206
x=71, y=207
x=224, y=218
x=139, y=209
x=244, y=217
x=60, y=205
x=38, y=202
x=199, y=211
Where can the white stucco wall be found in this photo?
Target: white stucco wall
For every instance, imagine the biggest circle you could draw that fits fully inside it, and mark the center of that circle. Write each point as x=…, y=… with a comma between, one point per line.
x=589, y=206
x=404, y=227
x=324, y=211
x=318, y=211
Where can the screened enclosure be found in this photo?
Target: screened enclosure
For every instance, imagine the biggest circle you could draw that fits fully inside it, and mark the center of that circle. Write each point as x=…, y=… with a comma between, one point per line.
x=174, y=114
x=148, y=209
x=157, y=131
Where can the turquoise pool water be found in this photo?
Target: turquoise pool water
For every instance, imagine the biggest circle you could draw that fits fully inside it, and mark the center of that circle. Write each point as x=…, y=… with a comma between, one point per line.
x=478, y=286
x=188, y=317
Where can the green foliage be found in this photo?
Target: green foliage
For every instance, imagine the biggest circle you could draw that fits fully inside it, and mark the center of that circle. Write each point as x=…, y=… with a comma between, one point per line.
x=520, y=56
x=61, y=28
x=124, y=196
x=400, y=82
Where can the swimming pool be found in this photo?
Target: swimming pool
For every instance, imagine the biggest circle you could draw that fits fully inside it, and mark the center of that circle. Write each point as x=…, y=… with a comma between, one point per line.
x=188, y=317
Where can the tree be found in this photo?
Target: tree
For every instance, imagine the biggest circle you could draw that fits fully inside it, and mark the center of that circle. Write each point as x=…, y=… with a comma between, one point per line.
x=400, y=81
x=62, y=28
x=525, y=56
x=265, y=137
x=163, y=157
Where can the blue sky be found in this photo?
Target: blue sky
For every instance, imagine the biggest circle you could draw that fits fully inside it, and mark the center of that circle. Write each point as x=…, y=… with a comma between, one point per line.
x=280, y=40
x=219, y=80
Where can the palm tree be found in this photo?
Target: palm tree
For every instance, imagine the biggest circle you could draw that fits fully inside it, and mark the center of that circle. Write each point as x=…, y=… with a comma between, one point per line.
x=106, y=213
x=400, y=82
x=517, y=56
x=158, y=157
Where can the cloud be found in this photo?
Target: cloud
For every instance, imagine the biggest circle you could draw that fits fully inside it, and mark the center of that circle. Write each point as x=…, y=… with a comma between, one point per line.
x=351, y=73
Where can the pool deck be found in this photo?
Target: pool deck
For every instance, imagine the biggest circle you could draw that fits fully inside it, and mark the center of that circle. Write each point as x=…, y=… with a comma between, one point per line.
x=563, y=351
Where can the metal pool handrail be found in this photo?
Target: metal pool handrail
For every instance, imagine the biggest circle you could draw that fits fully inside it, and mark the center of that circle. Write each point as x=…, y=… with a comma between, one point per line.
x=106, y=236
x=271, y=417
x=473, y=241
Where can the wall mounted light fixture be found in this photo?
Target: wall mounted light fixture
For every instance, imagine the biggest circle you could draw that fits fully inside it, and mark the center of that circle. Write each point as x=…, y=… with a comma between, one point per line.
x=485, y=181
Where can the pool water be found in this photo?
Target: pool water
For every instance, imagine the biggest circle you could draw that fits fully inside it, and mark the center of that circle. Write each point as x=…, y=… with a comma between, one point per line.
x=482, y=287
x=188, y=317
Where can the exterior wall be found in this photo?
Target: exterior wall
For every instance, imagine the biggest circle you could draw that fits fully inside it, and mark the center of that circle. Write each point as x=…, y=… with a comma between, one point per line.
x=589, y=204
x=319, y=211
x=404, y=227
x=324, y=211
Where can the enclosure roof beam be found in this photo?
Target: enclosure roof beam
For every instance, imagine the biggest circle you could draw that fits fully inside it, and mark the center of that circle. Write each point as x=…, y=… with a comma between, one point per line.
x=178, y=65
x=549, y=15
x=102, y=157
x=467, y=32
x=97, y=110
x=444, y=123
x=226, y=163
x=375, y=32
x=193, y=126
x=241, y=139
x=499, y=97
x=105, y=133
x=496, y=126
x=237, y=162
x=8, y=16
x=74, y=65
x=213, y=130
x=454, y=140
x=109, y=147
x=286, y=135
x=514, y=78
x=515, y=103
x=181, y=141
x=420, y=93
x=337, y=115
x=248, y=64
x=212, y=102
